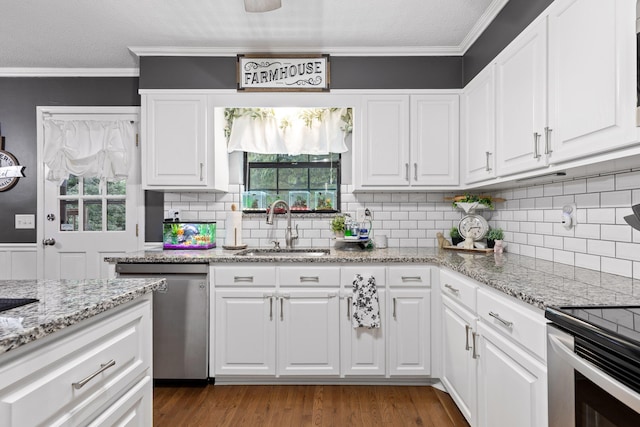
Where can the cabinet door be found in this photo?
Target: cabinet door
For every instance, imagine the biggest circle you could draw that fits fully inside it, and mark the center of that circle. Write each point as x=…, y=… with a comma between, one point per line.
x=521, y=71
x=478, y=127
x=308, y=332
x=434, y=140
x=363, y=349
x=176, y=140
x=459, y=367
x=410, y=332
x=245, y=332
x=512, y=385
x=384, y=160
x=591, y=77
x=134, y=408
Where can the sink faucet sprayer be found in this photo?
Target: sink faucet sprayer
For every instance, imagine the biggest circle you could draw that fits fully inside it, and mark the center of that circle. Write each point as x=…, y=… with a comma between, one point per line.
x=289, y=237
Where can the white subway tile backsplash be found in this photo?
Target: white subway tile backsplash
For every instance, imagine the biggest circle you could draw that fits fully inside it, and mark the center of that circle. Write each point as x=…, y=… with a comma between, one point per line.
x=629, y=251
x=535, y=240
x=544, y=253
x=617, y=233
x=601, y=247
x=601, y=216
x=535, y=191
x=564, y=257
x=616, y=266
x=588, y=231
x=591, y=262
x=544, y=203
x=554, y=242
x=575, y=245
x=544, y=228
x=627, y=181
x=599, y=184
x=591, y=200
x=553, y=189
x=575, y=187
x=560, y=201
x=615, y=198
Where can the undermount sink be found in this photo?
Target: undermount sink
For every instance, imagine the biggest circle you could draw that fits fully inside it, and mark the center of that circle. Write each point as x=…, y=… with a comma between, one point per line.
x=298, y=253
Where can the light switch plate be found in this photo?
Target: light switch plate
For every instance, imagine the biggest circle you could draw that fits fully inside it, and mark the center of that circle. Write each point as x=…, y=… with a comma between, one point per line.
x=25, y=221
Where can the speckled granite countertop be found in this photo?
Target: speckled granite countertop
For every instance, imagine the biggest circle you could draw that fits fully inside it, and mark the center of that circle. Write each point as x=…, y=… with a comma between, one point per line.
x=537, y=282
x=61, y=303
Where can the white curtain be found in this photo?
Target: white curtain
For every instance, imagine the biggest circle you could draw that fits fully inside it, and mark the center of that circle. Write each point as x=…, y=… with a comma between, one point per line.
x=284, y=132
x=88, y=148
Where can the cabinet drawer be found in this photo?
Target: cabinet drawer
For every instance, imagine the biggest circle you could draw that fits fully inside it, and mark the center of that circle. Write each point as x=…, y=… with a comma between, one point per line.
x=67, y=380
x=348, y=274
x=459, y=289
x=409, y=276
x=310, y=276
x=242, y=275
x=523, y=324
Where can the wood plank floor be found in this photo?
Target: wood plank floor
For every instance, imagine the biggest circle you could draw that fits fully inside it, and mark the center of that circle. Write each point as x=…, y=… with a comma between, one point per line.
x=304, y=405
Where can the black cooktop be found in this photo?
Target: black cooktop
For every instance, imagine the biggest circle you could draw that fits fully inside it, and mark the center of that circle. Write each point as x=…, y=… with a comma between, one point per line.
x=9, y=303
x=615, y=327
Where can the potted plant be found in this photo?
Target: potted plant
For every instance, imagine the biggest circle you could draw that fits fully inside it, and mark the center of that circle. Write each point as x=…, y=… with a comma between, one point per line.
x=493, y=235
x=337, y=225
x=455, y=236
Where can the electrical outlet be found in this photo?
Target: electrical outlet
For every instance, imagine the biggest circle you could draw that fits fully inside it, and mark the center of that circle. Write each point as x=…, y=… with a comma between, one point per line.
x=172, y=214
x=360, y=214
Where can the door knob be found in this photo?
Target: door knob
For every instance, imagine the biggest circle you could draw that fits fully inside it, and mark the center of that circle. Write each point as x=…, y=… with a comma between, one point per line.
x=49, y=242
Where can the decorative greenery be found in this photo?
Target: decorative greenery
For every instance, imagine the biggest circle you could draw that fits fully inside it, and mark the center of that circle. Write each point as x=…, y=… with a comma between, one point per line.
x=454, y=233
x=495, y=234
x=472, y=198
x=337, y=223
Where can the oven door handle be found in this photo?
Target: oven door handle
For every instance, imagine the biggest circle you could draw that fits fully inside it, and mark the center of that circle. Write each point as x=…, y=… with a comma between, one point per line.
x=618, y=390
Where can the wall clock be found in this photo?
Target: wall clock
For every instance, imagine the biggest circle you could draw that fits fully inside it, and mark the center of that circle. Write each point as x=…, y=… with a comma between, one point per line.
x=10, y=169
x=473, y=225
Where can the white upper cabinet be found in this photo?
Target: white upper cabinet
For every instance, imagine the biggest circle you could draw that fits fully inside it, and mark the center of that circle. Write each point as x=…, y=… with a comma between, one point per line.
x=591, y=77
x=435, y=139
x=478, y=130
x=179, y=144
x=408, y=141
x=521, y=105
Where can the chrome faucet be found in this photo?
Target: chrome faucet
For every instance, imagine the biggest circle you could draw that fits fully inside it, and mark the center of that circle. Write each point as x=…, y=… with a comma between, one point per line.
x=289, y=237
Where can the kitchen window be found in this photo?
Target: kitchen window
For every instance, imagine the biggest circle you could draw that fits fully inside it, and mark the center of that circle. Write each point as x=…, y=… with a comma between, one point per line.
x=308, y=182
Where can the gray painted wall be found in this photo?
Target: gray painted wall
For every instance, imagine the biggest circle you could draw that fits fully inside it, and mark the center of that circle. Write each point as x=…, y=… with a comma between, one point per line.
x=18, y=101
x=415, y=72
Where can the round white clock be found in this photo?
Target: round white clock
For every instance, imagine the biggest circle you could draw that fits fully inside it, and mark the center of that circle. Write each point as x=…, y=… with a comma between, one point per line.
x=8, y=163
x=473, y=225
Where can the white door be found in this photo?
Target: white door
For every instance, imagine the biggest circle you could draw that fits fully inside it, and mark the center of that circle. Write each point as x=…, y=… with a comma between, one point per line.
x=409, y=332
x=83, y=220
x=591, y=77
x=521, y=113
x=458, y=365
x=478, y=127
x=245, y=332
x=435, y=140
x=308, y=332
x=512, y=385
x=384, y=160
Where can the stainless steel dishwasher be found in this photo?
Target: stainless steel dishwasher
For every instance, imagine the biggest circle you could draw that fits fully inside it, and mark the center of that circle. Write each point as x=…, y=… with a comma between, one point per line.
x=180, y=319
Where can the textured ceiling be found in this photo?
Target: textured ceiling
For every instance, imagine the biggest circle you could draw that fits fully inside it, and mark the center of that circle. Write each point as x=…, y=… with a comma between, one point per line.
x=97, y=34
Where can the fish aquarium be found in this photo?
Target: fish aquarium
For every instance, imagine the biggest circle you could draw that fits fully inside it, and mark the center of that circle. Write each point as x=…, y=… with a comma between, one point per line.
x=325, y=201
x=299, y=201
x=188, y=235
x=254, y=201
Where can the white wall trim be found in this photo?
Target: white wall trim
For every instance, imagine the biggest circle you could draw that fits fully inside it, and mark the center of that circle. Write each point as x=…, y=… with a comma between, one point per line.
x=305, y=94
x=17, y=260
x=487, y=17
x=333, y=51
x=69, y=72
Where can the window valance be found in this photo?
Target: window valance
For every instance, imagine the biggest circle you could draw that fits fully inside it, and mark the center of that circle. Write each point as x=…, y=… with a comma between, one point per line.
x=289, y=131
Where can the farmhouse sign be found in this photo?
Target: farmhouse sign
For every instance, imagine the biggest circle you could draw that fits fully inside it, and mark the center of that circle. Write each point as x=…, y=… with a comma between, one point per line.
x=283, y=73
x=10, y=169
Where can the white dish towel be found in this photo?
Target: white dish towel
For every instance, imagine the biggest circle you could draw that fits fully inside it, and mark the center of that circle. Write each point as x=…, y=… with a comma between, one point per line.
x=365, y=306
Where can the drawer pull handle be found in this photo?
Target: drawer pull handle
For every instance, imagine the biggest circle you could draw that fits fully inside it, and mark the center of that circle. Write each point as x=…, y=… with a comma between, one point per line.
x=310, y=279
x=496, y=316
x=412, y=278
x=488, y=167
x=394, y=309
x=547, y=140
x=474, y=354
x=349, y=302
x=536, y=140
x=243, y=279
x=452, y=289
x=103, y=367
x=467, y=328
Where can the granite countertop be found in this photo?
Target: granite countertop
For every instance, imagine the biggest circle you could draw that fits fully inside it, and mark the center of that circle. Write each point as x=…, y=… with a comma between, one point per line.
x=534, y=281
x=62, y=303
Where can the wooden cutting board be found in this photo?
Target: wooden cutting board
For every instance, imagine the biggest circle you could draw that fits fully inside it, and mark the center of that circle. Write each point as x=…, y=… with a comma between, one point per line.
x=474, y=250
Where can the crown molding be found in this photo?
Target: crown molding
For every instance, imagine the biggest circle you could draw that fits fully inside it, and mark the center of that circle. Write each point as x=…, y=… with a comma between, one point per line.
x=69, y=72
x=333, y=51
x=487, y=17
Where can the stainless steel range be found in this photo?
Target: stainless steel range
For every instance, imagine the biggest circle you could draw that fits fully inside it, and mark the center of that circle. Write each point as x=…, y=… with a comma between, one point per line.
x=593, y=358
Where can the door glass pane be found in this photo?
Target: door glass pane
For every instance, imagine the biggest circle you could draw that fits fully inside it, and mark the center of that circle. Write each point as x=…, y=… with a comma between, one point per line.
x=92, y=186
x=70, y=186
x=116, y=218
x=92, y=215
x=68, y=215
x=117, y=188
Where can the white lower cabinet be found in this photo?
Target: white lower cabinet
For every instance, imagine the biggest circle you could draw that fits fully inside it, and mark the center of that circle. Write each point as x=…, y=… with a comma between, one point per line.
x=97, y=372
x=245, y=332
x=512, y=385
x=459, y=357
x=409, y=321
x=493, y=355
x=308, y=332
